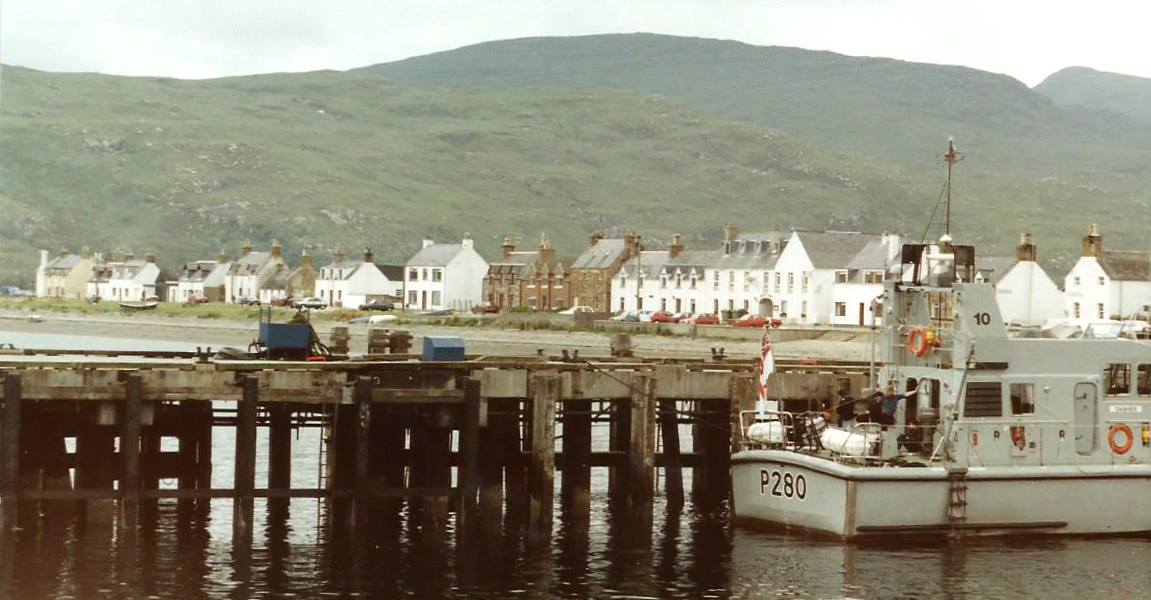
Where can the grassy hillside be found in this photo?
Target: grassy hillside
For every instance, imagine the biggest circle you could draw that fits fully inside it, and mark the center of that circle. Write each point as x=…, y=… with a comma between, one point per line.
x=1080, y=86
x=874, y=106
x=184, y=168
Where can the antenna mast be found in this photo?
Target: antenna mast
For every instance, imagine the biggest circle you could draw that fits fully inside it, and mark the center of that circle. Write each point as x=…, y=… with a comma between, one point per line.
x=951, y=157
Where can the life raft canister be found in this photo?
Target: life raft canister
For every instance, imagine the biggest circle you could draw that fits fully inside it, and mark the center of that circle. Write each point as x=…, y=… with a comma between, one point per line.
x=1123, y=445
x=918, y=341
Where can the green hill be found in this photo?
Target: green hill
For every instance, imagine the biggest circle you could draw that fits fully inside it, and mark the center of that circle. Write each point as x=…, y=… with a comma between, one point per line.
x=184, y=168
x=1080, y=86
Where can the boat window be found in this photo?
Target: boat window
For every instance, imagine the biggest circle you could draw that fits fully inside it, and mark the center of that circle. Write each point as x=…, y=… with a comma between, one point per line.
x=912, y=402
x=983, y=399
x=1022, y=398
x=1144, y=379
x=1117, y=379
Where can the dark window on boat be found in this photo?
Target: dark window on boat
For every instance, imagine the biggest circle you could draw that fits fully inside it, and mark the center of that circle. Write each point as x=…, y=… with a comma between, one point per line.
x=1117, y=379
x=1144, y=379
x=1022, y=398
x=984, y=399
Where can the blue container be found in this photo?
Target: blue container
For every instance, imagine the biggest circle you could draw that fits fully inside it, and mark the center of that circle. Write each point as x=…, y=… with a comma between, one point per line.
x=443, y=348
x=285, y=336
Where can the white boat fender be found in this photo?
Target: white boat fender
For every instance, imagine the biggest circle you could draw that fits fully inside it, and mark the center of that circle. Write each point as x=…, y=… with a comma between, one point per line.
x=851, y=443
x=766, y=432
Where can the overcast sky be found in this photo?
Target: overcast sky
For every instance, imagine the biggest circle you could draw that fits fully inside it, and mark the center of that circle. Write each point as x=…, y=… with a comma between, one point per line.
x=1027, y=39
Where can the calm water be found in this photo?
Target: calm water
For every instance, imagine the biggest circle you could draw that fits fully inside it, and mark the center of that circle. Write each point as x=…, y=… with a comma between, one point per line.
x=695, y=553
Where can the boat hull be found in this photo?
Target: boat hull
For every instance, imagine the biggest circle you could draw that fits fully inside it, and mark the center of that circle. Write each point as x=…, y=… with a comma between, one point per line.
x=850, y=502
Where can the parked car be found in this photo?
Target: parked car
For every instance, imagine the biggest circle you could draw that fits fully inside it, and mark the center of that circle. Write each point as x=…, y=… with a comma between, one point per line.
x=313, y=302
x=195, y=299
x=485, y=309
x=249, y=301
x=644, y=316
x=626, y=315
x=704, y=319
x=756, y=321
x=378, y=305
x=662, y=316
x=576, y=309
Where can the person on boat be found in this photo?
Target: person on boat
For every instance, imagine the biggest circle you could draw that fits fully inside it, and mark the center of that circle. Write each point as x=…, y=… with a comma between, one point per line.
x=883, y=406
x=845, y=409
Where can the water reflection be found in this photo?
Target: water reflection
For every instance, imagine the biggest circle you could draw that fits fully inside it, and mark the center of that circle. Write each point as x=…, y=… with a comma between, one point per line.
x=610, y=552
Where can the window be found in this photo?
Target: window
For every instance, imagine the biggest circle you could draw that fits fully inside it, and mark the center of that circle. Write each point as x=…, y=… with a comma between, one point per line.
x=715, y=281
x=437, y=298
x=1143, y=376
x=413, y=297
x=803, y=310
x=1075, y=311
x=1022, y=398
x=777, y=281
x=730, y=280
x=424, y=274
x=841, y=277
x=1117, y=379
x=437, y=274
x=790, y=282
x=841, y=309
x=1102, y=280
x=873, y=277
x=984, y=399
x=805, y=281
x=1101, y=311
x=1075, y=280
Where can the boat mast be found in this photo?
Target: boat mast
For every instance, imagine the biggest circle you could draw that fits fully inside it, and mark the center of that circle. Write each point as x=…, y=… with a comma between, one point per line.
x=951, y=157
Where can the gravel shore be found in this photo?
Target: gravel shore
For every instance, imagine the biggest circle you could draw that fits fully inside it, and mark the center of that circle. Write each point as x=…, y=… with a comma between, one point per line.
x=482, y=340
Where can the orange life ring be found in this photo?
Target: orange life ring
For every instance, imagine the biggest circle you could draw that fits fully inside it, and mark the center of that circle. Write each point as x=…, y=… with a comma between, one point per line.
x=1128, y=440
x=917, y=342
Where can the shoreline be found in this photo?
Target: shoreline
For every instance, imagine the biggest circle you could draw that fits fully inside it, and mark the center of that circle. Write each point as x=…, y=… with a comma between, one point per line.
x=479, y=340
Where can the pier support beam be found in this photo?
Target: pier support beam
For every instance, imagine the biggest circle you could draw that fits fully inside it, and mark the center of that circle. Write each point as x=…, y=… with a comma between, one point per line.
x=130, y=453
x=469, y=471
x=673, y=470
x=279, y=455
x=245, y=460
x=641, y=445
x=10, y=451
x=575, y=486
x=363, y=429
x=545, y=392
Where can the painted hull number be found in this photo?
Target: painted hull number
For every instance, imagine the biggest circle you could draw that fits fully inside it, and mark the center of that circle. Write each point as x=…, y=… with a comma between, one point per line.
x=782, y=484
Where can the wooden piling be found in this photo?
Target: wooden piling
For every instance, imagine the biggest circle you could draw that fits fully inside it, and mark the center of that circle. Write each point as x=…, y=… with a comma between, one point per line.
x=203, y=437
x=363, y=424
x=641, y=443
x=469, y=450
x=575, y=488
x=545, y=392
x=619, y=435
x=10, y=451
x=130, y=453
x=511, y=440
x=672, y=465
x=245, y=460
x=279, y=454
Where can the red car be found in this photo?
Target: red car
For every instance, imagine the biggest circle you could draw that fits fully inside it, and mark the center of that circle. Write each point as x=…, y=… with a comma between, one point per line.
x=705, y=319
x=664, y=317
x=756, y=321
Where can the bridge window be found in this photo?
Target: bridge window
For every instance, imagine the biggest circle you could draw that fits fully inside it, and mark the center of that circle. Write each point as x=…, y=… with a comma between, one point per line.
x=1022, y=398
x=984, y=399
x=1144, y=378
x=1117, y=379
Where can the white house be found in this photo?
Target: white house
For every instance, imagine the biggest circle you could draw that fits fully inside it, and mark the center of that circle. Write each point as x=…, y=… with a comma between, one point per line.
x=63, y=276
x=859, y=283
x=815, y=271
x=1107, y=284
x=350, y=283
x=131, y=280
x=739, y=275
x=202, y=279
x=1025, y=293
x=445, y=276
x=252, y=271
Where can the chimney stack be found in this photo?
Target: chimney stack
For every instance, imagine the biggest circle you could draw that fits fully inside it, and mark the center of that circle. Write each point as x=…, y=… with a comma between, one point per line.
x=730, y=232
x=676, y=246
x=305, y=258
x=246, y=247
x=427, y=242
x=338, y=255
x=1093, y=242
x=508, y=246
x=277, y=250
x=368, y=257
x=595, y=237
x=222, y=257
x=1025, y=251
x=546, y=252
x=150, y=258
x=468, y=243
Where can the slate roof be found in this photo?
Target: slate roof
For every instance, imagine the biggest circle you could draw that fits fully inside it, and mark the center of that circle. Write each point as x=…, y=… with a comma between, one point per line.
x=392, y=272
x=994, y=268
x=133, y=270
x=279, y=281
x=651, y=263
x=694, y=259
x=218, y=275
x=1126, y=265
x=833, y=249
x=873, y=256
x=345, y=264
x=251, y=263
x=601, y=255
x=67, y=261
x=435, y=255
x=197, y=271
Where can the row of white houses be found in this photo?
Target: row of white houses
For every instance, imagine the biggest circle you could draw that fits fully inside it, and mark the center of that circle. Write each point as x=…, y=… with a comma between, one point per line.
x=802, y=277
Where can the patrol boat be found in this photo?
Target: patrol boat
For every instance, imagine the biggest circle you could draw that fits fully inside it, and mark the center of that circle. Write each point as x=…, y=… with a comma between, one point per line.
x=1005, y=434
